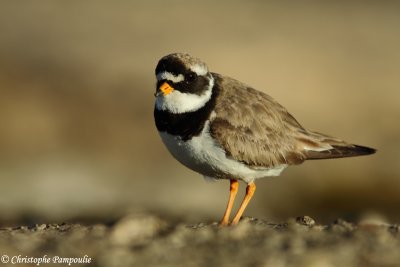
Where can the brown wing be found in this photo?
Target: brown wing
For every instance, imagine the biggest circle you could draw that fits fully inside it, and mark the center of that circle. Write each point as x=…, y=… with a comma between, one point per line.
x=254, y=128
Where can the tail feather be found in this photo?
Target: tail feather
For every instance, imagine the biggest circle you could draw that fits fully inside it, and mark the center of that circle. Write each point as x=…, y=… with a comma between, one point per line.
x=320, y=146
x=338, y=151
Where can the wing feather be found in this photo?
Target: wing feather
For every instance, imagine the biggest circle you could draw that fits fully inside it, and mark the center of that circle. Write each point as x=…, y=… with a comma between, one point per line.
x=252, y=127
x=255, y=129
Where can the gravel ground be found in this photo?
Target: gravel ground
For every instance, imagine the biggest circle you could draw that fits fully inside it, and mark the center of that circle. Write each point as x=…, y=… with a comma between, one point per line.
x=148, y=240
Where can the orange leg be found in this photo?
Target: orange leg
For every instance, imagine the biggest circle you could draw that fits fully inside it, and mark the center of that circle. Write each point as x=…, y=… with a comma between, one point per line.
x=250, y=189
x=232, y=194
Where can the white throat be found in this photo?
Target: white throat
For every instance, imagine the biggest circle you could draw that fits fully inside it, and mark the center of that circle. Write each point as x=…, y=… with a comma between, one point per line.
x=178, y=102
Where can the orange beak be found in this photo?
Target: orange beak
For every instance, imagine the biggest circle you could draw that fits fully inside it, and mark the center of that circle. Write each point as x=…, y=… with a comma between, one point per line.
x=166, y=89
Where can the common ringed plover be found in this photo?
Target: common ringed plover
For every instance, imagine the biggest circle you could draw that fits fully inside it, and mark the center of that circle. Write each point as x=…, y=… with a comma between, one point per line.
x=224, y=129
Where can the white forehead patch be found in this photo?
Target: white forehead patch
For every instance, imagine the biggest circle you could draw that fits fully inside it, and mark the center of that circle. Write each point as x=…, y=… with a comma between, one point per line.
x=165, y=75
x=200, y=70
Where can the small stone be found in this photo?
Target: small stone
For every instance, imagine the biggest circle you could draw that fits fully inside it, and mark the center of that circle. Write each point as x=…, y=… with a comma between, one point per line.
x=342, y=226
x=305, y=220
x=373, y=219
x=136, y=230
x=41, y=227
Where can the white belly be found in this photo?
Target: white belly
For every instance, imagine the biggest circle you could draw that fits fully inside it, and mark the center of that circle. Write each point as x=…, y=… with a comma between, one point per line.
x=203, y=155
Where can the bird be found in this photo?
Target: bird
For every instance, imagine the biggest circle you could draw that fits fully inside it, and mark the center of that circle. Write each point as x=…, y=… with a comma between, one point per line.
x=225, y=129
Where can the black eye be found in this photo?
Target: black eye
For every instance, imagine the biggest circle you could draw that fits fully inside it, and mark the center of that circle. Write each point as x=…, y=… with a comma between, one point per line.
x=190, y=77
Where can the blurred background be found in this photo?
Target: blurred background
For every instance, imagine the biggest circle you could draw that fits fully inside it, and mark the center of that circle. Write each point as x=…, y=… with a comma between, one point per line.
x=77, y=136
